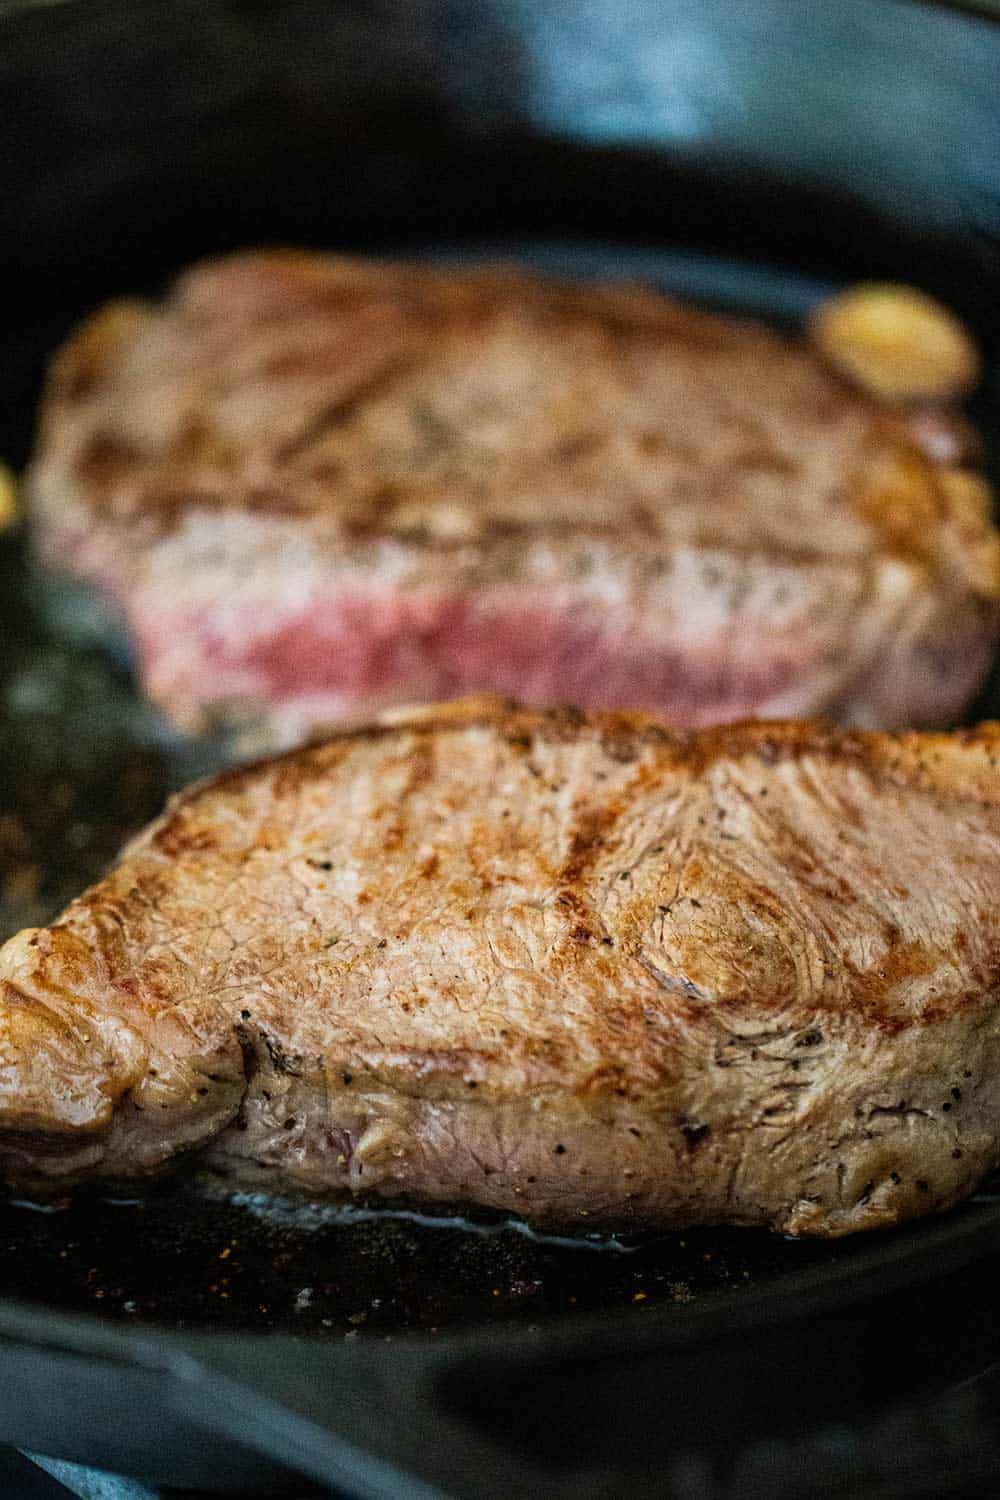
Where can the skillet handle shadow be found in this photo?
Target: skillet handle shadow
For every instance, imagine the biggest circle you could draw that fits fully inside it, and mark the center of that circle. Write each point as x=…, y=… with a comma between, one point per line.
x=796, y=1408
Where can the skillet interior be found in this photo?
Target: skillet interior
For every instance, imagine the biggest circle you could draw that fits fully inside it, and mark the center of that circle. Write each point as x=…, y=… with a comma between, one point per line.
x=83, y=762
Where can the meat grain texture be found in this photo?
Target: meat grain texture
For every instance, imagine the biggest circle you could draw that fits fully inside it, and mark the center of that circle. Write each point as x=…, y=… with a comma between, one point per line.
x=555, y=964
x=314, y=487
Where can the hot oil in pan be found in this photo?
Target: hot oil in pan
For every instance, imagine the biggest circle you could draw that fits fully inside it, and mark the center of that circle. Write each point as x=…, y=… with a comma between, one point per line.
x=185, y=1254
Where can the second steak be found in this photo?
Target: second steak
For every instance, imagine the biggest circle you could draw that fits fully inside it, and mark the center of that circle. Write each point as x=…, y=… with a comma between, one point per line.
x=316, y=487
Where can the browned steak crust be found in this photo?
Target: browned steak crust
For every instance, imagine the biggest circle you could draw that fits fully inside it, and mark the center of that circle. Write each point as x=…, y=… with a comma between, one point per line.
x=558, y=964
x=319, y=486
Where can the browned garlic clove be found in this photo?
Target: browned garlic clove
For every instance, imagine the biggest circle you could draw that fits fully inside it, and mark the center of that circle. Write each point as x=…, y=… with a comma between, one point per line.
x=897, y=343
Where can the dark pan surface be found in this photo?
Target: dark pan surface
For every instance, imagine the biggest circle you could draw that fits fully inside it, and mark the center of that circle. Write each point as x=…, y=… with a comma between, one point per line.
x=188, y=1255
x=178, y=1254
x=83, y=762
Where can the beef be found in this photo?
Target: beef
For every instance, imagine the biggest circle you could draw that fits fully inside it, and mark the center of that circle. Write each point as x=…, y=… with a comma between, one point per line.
x=560, y=965
x=315, y=487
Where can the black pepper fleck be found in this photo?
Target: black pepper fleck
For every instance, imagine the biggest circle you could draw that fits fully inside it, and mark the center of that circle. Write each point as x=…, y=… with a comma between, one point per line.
x=809, y=1039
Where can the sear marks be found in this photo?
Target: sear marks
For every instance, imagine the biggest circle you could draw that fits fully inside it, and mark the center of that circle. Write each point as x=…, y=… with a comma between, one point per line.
x=316, y=487
x=480, y=954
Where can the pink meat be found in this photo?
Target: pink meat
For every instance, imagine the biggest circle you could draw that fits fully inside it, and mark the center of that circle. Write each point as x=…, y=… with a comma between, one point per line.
x=315, y=488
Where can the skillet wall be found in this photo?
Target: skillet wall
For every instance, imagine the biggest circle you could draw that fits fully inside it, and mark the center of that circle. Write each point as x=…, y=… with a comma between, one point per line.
x=861, y=139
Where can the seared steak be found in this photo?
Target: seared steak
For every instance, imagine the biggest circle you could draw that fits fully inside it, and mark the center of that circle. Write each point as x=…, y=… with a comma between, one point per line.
x=556, y=964
x=316, y=487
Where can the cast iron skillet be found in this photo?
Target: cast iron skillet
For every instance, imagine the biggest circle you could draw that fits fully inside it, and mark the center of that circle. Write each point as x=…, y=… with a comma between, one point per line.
x=199, y=1341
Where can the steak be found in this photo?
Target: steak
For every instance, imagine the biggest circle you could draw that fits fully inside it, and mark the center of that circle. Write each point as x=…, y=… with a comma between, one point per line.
x=314, y=487
x=550, y=963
